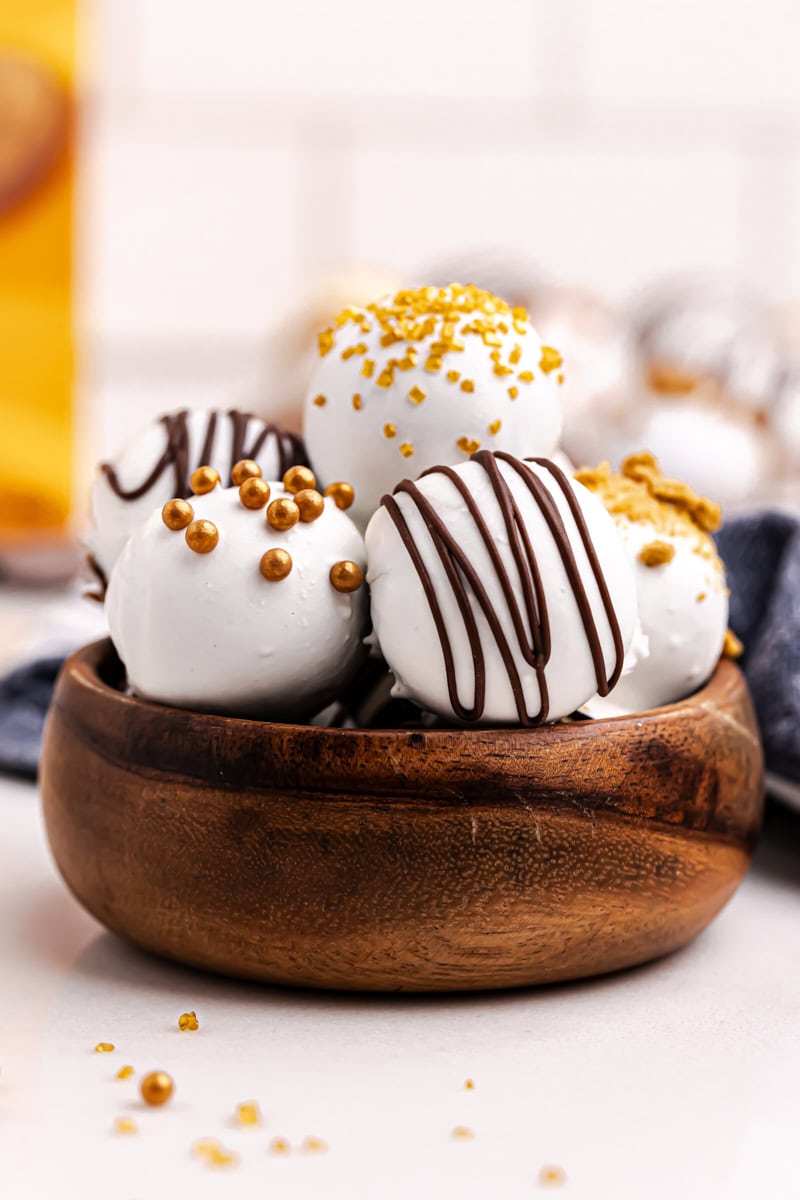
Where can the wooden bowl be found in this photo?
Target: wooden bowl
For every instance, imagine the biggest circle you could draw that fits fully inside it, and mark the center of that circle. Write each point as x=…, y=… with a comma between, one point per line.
x=395, y=860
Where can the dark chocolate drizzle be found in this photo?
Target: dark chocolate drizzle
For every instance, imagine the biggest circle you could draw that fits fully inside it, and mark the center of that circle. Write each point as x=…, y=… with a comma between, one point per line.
x=291, y=451
x=528, y=611
x=100, y=577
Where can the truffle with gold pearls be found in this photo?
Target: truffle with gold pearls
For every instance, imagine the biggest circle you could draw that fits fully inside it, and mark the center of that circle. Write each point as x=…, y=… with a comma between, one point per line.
x=258, y=624
x=439, y=373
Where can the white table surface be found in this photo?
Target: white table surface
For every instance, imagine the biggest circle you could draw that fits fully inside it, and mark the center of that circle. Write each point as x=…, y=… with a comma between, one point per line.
x=681, y=1079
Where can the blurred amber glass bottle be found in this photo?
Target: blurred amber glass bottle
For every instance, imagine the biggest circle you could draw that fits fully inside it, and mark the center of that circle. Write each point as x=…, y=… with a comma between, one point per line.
x=37, y=64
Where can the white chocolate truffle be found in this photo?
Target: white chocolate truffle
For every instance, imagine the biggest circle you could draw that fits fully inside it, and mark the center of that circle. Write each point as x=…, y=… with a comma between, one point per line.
x=501, y=592
x=680, y=581
x=428, y=376
x=210, y=631
x=156, y=465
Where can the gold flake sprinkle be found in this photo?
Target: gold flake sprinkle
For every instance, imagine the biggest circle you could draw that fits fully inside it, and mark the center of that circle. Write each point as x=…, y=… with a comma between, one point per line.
x=104, y=1048
x=453, y=376
x=389, y=430
x=406, y=449
x=248, y=1113
x=515, y=355
x=386, y=378
x=314, y=1145
x=495, y=427
x=188, y=1021
x=433, y=363
x=213, y=1153
x=279, y=1145
x=501, y=370
x=462, y=1133
x=552, y=1176
x=732, y=647
x=125, y=1125
x=701, y=596
x=513, y=392
x=124, y=1072
x=416, y=395
x=656, y=554
x=357, y=402
x=551, y=360
x=560, y=377
x=367, y=367
x=469, y=1086
x=325, y=341
x=525, y=377
x=468, y=445
x=467, y=385
x=320, y=401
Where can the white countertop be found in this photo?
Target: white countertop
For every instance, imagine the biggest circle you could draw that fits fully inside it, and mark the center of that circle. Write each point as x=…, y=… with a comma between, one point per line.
x=681, y=1079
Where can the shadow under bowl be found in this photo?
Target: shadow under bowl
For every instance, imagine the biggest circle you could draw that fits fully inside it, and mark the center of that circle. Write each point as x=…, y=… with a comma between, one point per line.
x=394, y=860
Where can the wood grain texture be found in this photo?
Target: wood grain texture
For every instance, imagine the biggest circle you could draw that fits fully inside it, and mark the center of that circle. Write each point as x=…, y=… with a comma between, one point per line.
x=392, y=860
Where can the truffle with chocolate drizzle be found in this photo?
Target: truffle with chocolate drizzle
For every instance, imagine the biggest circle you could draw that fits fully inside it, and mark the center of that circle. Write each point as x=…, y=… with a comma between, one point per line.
x=159, y=464
x=500, y=591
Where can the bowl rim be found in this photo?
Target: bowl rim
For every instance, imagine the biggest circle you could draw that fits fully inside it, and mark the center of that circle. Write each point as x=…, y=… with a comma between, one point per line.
x=85, y=667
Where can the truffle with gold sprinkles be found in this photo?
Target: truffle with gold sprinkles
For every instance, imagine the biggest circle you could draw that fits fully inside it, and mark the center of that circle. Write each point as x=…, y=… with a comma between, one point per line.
x=255, y=625
x=666, y=530
x=432, y=369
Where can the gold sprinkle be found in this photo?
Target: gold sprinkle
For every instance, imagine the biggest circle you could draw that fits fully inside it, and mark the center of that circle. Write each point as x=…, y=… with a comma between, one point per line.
x=357, y=402
x=203, y=480
x=202, y=537
x=280, y=1145
x=406, y=449
x=125, y=1125
x=500, y=370
x=351, y=350
x=314, y=1145
x=156, y=1088
x=732, y=647
x=310, y=503
x=416, y=395
x=467, y=385
x=515, y=355
x=513, y=392
x=248, y=1113
x=552, y=1176
x=656, y=554
x=124, y=1072
x=245, y=468
x=346, y=576
x=453, y=376
x=462, y=1133
x=282, y=514
x=320, y=401
x=104, y=1047
x=275, y=564
x=433, y=363
x=525, y=377
x=468, y=445
x=389, y=430
x=495, y=427
x=560, y=377
x=701, y=596
x=386, y=378
x=551, y=360
x=254, y=493
x=214, y=1154
x=188, y=1021
x=470, y=1085
x=367, y=367
x=177, y=514
x=342, y=494
x=297, y=479
x=325, y=341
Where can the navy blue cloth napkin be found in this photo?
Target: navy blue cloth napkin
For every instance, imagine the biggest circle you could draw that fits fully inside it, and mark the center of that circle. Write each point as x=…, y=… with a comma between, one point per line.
x=762, y=553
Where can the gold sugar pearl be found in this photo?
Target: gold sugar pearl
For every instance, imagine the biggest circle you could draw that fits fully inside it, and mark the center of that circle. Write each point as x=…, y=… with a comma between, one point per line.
x=276, y=564
x=104, y=1048
x=203, y=480
x=245, y=468
x=157, y=1088
x=125, y=1125
x=177, y=514
x=248, y=1113
x=279, y=1145
x=282, y=514
x=254, y=493
x=346, y=576
x=124, y=1072
x=202, y=536
x=188, y=1021
x=310, y=504
x=342, y=494
x=297, y=479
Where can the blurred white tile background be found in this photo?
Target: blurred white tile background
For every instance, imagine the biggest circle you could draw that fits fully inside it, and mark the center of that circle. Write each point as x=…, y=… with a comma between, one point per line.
x=234, y=150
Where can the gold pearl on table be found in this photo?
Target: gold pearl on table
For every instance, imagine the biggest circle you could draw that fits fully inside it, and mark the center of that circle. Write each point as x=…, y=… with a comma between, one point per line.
x=310, y=504
x=342, y=494
x=282, y=514
x=346, y=576
x=275, y=564
x=254, y=492
x=203, y=480
x=297, y=479
x=245, y=468
x=177, y=514
x=202, y=536
x=157, y=1088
